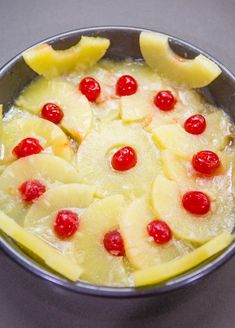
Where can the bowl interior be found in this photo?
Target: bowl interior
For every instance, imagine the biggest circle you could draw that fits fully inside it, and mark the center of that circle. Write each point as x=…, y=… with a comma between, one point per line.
x=15, y=75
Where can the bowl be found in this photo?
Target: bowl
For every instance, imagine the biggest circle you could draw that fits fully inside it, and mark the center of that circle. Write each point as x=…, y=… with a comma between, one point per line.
x=15, y=75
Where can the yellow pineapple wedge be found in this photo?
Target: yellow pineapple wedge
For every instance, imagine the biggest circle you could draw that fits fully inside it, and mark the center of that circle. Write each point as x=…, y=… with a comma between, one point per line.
x=179, y=170
x=56, y=261
x=46, y=61
x=50, y=170
x=141, y=251
x=99, y=267
x=176, y=139
x=76, y=108
x=164, y=271
x=135, y=108
x=167, y=204
x=193, y=73
x=41, y=215
x=96, y=151
x=49, y=135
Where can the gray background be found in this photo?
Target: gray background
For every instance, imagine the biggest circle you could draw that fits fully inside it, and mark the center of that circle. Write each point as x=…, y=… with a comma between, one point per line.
x=28, y=302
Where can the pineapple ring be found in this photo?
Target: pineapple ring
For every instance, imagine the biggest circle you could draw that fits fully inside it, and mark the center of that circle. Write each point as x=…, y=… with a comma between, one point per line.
x=93, y=160
x=166, y=200
x=73, y=195
x=164, y=271
x=40, y=217
x=49, y=169
x=182, y=172
x=48, y=134
x=76, y=108
x=99, y=267
x=141, y=251
x=176, y=139
x=86, y=245
x=187, y=104
x=195, y=73
x=44, y=60
x=61, y=263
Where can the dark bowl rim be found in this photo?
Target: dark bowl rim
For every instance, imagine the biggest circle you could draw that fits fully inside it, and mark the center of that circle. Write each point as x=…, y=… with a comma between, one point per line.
x=102, y=291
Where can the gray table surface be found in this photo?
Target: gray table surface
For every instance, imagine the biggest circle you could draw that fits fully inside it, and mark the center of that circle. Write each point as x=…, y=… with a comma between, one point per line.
x=28, y=302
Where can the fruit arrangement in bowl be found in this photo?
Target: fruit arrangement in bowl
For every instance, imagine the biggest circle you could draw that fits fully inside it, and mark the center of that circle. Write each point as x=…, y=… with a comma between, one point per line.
x=117, y=172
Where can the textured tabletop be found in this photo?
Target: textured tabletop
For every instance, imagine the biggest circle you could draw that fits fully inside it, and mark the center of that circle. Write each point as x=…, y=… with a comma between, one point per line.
x=27, y=301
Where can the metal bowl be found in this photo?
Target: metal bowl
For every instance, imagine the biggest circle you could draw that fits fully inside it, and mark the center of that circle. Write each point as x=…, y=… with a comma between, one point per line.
x=15, y=75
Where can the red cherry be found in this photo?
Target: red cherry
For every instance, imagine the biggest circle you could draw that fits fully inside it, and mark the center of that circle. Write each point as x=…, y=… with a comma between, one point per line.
x=66, y=223
x=113, y=243
x=195, y=124
x=165, y=100
x=90, y=88
x=52, y=112
x=126, y=85
x=160, y=231
x=31, y=190
x=196, y=202
x=124, y=159
x=206, y=162
x=26, y=147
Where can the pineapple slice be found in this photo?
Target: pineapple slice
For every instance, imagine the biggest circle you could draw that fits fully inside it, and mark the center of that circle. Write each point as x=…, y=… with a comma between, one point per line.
x=60, y=263
x=195, y=73
x=41, y=215
x=166, y=200
x=136, y=107
x=181, y=171
x=141, y=251
x=46, y=61
x=164, y=271
x=49, y=169
x=188, y=103
x=176, y=139
x=76, y=108
x=99, y=267
x=96, y=151
x=73, y=195
x=50, y=136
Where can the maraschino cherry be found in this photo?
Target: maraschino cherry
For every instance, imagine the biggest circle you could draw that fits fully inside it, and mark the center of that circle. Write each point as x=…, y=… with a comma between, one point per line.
x=206, y=162
x=31, y=190
x=27, y=147
x=66, y=223
x=52, y=113
x=124, y=159
x=113, y=243
x=195, y=124
x=90, y=88
x=159, y=231
x=126, y=86
x=165, y=100
x=196, y=202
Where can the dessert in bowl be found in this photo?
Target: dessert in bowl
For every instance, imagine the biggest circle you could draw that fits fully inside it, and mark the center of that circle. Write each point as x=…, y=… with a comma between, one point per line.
x=117, y=172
